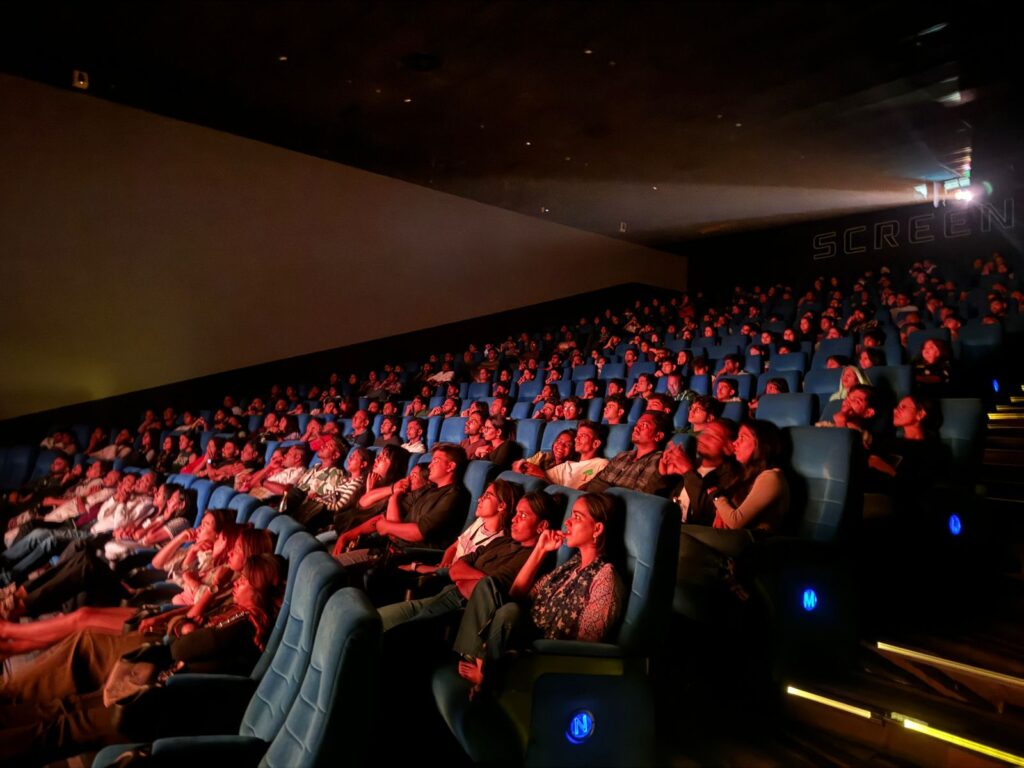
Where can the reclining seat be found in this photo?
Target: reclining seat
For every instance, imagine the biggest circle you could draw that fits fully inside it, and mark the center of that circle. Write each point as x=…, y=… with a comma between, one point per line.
x=321, y=719
x=215, y=703
x=552, y=694
x=803, y=576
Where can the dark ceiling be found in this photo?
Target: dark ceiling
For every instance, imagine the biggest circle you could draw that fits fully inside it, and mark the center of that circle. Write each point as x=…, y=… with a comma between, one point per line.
x=672, y=119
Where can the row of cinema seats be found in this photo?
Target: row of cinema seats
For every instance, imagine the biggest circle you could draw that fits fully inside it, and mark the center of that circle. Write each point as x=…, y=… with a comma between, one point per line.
x=297, y=708
x=607, y=680
x=546, y=688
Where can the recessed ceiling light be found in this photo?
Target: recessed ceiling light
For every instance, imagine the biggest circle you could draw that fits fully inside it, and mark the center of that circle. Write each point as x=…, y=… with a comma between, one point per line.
x=528, y=144
x=407, y=100
x=611, y=63
x=655, y=187
x=587, y=51
x=282, y=57
x=376, y=90
x=739, y=125
x=481, y=126
x=719, y=116
x=568, y=158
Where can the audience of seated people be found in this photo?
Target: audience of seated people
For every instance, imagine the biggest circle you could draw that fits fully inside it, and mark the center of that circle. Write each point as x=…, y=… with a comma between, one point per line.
x=362, y=491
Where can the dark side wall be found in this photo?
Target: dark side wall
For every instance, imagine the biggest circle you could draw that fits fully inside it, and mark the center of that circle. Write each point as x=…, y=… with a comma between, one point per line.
x=951, y=234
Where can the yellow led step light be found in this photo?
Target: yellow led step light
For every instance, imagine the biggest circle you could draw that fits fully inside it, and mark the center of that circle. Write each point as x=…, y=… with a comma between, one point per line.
x=842, y=706
x=951, y=738
x=957, y=666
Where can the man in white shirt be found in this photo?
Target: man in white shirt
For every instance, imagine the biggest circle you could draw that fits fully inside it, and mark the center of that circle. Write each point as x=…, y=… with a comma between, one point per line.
x=276, y=479
x=414, y=436
x=573, y=474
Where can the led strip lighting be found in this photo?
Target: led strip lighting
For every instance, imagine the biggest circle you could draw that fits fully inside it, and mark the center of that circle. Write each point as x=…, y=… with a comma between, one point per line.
x=848, y=708
x=918, y=727
x=937, y=661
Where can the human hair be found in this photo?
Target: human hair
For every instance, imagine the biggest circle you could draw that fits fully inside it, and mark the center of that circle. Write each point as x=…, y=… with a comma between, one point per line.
x=767, y=455
x=932, y=420
x=603, y=509
x=337, y=442
x=875, y=355
x=731, y=427
x=710, y=405
x=945, y=353
x=222, y=518
x=398, y=462
x=502, y=425
x=600, y=430
x=663, y=424
x=265, y=574
x=507, y=495
x=454, y=454
x=255, y=541
x=620, y=401
x=549, y=507
x=780, y=383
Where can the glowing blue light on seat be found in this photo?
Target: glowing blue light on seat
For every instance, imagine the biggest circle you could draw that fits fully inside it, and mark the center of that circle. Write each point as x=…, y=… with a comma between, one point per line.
x=995, y=385
x=955, y=525
x=581, y=727
x=810, y=599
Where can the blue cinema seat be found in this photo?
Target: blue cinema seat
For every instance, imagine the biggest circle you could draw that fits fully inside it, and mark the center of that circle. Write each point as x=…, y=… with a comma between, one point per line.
x=329, y=709
x=204, y=703
x=453, y=430
x=528, y=432
x=528, y=483
x=553, y=429
x=560, y=677
x=244, y=505
x=829, y=347
x=794, y=409
x=620, y=438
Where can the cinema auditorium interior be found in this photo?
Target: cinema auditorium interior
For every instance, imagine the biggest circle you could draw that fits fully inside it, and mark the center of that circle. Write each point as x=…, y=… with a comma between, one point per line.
x=478, y=382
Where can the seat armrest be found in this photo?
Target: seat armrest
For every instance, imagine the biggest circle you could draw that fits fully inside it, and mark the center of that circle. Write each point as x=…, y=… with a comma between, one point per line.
x=187, y=704
x=578, y=648
x=234, y=750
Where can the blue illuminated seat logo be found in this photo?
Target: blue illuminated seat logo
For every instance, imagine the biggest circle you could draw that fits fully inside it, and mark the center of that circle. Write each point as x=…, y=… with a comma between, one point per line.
x=955, y=525
x=810, y=598
x=581, y=727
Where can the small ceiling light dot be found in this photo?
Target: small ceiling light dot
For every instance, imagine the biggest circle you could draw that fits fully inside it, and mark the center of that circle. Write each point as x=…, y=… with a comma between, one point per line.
x=528, y=144
x=655, y=188
x=568, y=158
x=282, y=58
x=481, y=126
x=611, y=63
x=376, y=90
x=718, y=116
x=587, y=51
x=739, y=125
x=407, y=101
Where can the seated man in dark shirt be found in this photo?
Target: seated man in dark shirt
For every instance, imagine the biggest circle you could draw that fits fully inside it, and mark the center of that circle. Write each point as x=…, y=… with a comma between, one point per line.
x=361, y=434
x=433, y=518
x=698, y=483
